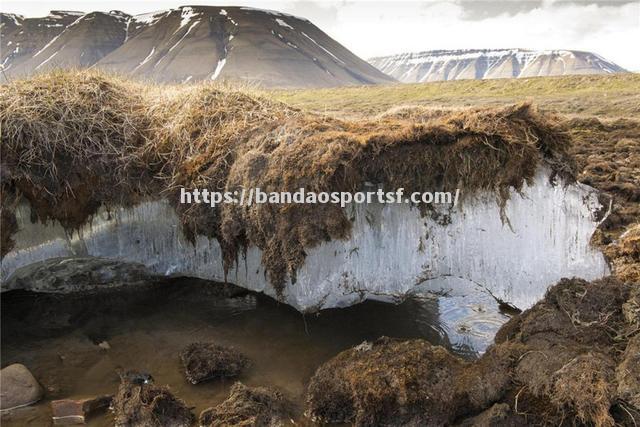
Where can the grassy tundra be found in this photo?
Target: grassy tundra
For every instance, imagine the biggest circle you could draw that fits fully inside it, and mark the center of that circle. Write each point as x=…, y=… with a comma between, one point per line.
x=616, y=95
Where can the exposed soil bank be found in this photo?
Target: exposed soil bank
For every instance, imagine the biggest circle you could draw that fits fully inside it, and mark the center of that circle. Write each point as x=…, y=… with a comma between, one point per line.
x=570, y=358
x=73, y=142
x=562, y=362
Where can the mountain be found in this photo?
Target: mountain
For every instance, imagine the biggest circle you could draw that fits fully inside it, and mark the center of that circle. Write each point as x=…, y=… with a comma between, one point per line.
x=21, y=38
x=187, y=44
x=491, y=64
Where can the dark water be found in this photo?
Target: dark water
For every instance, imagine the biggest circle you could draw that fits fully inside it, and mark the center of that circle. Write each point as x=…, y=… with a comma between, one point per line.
x=56, y=337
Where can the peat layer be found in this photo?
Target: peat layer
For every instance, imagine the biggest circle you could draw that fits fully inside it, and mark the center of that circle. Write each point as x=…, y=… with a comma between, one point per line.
x=72, y=141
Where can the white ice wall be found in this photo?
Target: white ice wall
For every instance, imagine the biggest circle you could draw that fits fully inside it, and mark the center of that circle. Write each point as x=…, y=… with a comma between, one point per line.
x=392, y=251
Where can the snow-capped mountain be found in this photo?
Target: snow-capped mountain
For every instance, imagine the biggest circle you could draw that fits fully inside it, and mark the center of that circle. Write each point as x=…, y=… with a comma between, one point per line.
x=491, y=64
x=187, y=44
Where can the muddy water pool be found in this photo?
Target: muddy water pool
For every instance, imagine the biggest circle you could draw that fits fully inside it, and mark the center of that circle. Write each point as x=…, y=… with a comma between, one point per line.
x=57, y=338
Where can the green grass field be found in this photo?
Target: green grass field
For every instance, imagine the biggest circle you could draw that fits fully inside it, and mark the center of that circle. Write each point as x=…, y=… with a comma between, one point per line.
x=605, y=96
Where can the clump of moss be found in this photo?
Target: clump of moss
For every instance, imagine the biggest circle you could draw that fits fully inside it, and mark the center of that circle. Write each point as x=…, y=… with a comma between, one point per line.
x=572, y=340
x=206, y=361
x=73, y=141
x=393, y=382
x=566, y=359
x=139, y=402
x=249, y=406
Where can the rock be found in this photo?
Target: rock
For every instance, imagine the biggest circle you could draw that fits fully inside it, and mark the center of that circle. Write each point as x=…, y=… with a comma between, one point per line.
x=364, y=346
x=496, y=416
x=77, y=411
x=104, y=345
x=247, y=406
x=141, y=403
x=206, y=361
x=18, y=387
x=67, y=275
x=135, y=377
x=628, y=373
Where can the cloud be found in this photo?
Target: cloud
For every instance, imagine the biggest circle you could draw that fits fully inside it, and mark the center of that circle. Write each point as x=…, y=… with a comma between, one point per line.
x=483, y=9
x=479, y=10
x=323, y=13
x=610, y=29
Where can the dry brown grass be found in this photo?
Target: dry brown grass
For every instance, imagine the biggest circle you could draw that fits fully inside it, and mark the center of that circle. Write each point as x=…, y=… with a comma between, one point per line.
x=625, y=255
x=149, y=405
x=249, y=406
x=75, y=140
x=607, y=153
x=585, y=386
x=67, y=145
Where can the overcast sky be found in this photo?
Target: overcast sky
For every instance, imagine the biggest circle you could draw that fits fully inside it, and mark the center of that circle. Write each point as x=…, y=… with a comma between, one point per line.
x=610, y=28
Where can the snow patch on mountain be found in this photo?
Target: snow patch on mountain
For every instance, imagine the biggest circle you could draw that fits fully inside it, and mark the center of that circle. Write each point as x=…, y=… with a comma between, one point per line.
x=186, y=16
x=282, y=23
x=219, y=68
x=149, y=18
x=323, y=48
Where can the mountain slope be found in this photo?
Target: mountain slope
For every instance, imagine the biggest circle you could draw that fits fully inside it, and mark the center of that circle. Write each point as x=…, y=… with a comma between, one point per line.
x=21, y=38
x=491, y=64
x=194, y=43
x=82, y=43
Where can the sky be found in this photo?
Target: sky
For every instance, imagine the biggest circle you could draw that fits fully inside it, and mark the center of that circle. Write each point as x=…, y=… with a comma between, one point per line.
x=610, y=28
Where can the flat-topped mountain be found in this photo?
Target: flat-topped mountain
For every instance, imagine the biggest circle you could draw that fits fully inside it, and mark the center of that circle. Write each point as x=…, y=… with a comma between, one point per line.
x=491, y=64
